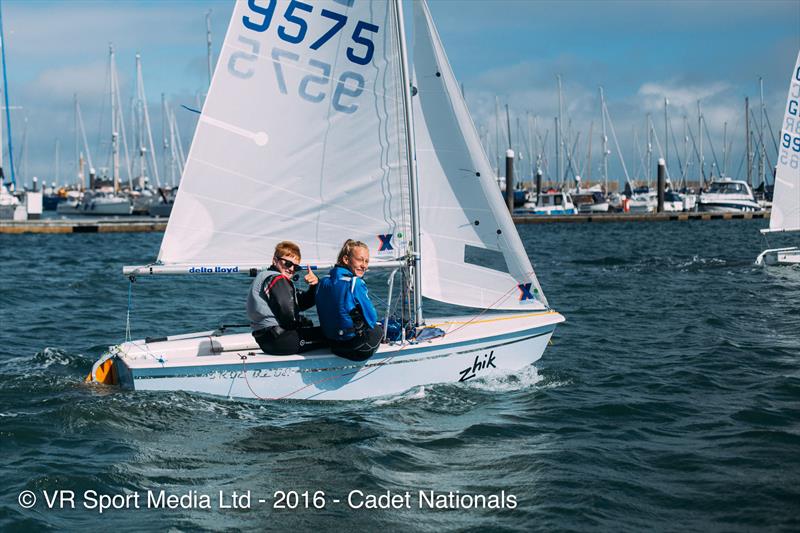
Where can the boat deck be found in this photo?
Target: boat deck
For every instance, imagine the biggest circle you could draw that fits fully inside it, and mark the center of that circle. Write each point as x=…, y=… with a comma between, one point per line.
x=206, y=349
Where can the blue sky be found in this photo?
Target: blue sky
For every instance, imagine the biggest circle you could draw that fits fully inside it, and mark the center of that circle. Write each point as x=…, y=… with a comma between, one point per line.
x=640, y=51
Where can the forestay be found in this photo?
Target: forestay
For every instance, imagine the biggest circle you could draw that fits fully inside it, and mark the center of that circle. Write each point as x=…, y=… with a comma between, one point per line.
x=786, y=197
x=301, y=137
x=471, y=252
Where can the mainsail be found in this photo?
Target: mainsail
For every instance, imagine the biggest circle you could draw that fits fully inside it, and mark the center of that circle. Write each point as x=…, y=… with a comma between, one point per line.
x=786, y=197
x=471, y=252
x=301, y=137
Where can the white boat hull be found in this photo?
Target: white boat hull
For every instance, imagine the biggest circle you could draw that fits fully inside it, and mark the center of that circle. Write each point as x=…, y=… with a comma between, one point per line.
x=728, y=207
x=547, y=210
x=104, y=207
x=779, y=256
x=233, y=365
x=593, y=208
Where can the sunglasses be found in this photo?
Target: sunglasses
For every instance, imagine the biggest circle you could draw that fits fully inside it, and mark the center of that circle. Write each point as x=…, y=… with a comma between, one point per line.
x=288, y=264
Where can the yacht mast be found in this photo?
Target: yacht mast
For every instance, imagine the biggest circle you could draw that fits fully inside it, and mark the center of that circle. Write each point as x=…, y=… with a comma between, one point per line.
x=559, y=133
x=114, y=127
x=146, y=129
x=725, y=149
x=416, y=262
x=762, y=167
x=702, y=160
x=606, y=152
x=8, y=107
x=747, y=140
x=666, y=133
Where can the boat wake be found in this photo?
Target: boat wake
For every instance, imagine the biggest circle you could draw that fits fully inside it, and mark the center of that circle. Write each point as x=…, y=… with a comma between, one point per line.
x=512, y=381
x=526, y=378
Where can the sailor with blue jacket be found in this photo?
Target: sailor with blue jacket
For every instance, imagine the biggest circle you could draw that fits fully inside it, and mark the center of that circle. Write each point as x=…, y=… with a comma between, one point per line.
x=346, y=314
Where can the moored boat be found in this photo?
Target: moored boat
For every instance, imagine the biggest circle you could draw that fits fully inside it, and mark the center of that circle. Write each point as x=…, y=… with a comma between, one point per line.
x=725, y=195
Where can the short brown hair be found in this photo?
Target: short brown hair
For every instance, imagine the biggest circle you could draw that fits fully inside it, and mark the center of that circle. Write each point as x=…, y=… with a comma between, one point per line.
x=347, y=249
x=287, y=247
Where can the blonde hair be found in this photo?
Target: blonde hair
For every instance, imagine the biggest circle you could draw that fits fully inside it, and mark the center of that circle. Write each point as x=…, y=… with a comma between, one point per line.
x=347, y=250
x=287, y=247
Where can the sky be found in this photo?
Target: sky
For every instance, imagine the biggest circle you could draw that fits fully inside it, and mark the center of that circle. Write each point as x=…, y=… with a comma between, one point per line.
x=506, y=51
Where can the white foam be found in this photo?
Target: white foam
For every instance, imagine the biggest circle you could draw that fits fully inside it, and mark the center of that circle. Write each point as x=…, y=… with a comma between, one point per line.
x=526, y=378
x=417, y=393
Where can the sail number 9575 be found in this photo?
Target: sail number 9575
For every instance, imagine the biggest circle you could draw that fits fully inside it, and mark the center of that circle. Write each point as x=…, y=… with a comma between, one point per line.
x=294, y=28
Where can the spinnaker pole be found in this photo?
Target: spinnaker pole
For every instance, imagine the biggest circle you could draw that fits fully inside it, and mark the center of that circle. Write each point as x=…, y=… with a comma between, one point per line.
x=412, y=169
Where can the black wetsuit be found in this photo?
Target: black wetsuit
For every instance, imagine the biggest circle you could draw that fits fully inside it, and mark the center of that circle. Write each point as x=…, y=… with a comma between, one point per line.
x=278, y=326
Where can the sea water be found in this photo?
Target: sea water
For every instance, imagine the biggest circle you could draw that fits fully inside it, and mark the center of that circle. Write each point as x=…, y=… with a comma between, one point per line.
x=669, y=400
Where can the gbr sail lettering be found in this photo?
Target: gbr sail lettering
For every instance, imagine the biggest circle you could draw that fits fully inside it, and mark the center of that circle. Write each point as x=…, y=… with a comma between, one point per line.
x=790, y=138
x=292, y=27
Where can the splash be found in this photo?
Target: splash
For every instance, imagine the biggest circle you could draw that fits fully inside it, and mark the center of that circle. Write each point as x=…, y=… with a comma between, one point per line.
x=510, y=381
x=417, y=393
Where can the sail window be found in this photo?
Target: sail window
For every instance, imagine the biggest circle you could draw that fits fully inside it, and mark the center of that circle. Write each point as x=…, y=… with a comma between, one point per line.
x=486, y=258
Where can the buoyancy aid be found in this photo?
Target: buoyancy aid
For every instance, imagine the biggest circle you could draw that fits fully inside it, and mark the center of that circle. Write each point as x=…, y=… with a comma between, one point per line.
x=258, y=310
x=339, y=295
x=274, y=301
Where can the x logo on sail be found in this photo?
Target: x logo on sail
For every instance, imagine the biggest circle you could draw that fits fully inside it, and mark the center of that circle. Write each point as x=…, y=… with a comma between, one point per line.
x=386, y=242
x=525, y=292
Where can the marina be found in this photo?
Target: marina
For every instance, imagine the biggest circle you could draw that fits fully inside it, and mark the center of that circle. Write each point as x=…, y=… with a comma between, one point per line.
x=395, y=265
x=149, y=224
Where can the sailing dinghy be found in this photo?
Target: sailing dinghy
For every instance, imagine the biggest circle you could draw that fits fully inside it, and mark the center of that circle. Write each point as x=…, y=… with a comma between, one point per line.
x=308, y=134
x=785, y=215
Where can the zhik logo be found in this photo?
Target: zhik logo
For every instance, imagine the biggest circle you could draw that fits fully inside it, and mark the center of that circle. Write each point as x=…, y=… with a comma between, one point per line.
x=471, y=371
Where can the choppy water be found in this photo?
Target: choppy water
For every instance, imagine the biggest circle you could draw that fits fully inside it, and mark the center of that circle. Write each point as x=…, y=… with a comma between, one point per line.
x=670, y=400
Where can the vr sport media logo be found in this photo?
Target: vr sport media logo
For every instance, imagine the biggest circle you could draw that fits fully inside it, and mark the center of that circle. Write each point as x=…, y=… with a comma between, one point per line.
x=481, y=363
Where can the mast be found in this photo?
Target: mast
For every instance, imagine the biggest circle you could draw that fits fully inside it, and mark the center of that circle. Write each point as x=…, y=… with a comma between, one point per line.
x=25, y=151
x=605, y=139
x=649, y=150
x=114, y=127
x=762, y=167
x=8, y=107
x=748, y=146
x=530, y=141
x=78, y=157
x=145, y=128
x=164, y=141
x=725, y=148
x=702, y=160
x=416, y=262
x=588, y=174
x=666, y=133
x=685, y=150
x=497, y=135
x=559, y=133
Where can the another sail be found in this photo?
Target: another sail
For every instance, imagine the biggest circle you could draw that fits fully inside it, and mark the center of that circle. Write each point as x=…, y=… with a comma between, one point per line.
x=301, y=138
x=471, y=252
x=786, y=197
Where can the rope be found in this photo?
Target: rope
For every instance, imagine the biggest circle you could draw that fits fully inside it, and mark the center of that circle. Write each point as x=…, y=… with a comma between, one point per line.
x=244, y=371
x=128, y=314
